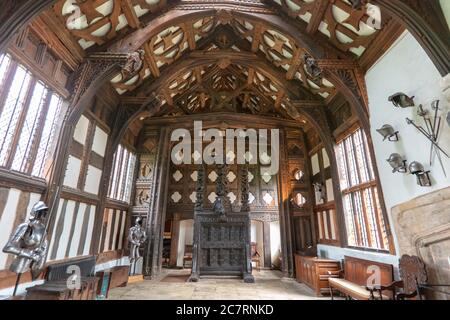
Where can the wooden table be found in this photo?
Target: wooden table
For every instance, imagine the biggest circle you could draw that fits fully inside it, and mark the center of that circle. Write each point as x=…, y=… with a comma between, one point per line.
x=313, y=272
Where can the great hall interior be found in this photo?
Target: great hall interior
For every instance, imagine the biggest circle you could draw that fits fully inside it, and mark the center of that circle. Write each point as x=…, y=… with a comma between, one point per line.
x=96, y=202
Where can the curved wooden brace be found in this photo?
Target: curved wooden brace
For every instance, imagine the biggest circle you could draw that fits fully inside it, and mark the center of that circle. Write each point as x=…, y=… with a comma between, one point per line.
x=138, y=38
x=246, y=59
x=344, y=82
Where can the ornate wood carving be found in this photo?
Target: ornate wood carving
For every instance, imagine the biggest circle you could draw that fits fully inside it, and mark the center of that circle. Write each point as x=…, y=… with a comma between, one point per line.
x=412, y=272
x=16, y=14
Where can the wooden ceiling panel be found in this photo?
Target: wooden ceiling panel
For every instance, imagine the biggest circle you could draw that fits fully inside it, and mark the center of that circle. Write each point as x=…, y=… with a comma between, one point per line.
x=349, y=25
x=296, y=49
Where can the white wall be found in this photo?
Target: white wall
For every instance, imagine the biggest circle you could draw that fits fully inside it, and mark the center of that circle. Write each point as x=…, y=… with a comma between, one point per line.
x=275, y=240
x=257, y=236
x=445, y=4
x=405, y=68
x=186, y=237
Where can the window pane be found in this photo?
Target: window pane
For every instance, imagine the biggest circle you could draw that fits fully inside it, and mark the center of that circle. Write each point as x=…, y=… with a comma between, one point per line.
x=130, y=177
x=369, y=158
x=121, y=180
x=123, y=175
x=361, y=158
x=29, y=128
x=111, y=183
x=4, y=65
x=48, y=136
x=351, y=161
x=350, y=223
x=11, y=111
x=342, y=167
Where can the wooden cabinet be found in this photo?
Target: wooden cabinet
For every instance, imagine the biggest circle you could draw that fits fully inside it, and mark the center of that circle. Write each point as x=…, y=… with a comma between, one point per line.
x=313, y=272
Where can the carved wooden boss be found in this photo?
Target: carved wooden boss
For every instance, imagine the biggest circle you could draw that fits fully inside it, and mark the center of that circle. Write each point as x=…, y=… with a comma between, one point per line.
x=222, y=237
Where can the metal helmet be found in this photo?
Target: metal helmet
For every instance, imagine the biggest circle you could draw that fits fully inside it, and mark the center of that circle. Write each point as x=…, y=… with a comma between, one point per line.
x=396, y=161
x=386, y=131
x=139, y=220
x=401, y=100
x=38, y=209
x=416, y=167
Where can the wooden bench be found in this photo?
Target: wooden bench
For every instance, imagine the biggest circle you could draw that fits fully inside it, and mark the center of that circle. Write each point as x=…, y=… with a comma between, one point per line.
x=356, y=283
x=56, y=288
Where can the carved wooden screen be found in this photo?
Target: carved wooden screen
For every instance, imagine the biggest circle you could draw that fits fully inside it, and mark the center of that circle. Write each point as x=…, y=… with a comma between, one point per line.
x=263, y=196
x=222, y=244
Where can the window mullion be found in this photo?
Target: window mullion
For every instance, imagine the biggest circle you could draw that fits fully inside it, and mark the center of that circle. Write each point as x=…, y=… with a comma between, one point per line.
x=20, y=123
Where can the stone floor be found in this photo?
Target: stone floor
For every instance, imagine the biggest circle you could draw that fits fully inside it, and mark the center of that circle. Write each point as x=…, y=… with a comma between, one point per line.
x=268, y=285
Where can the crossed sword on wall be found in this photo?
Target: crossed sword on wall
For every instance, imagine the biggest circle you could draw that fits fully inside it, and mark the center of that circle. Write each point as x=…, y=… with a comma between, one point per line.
x=431, y=132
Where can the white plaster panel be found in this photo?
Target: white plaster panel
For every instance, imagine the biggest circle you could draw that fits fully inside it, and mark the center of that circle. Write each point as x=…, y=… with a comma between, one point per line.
x=52, y=240
x=333, y=224
x=109, y=227
x=329, y=188
x=93, y=178
x=72, y=172
x=81, y=130
x=326, y=159
x=64, y=240
x=315, y=164
x=116, y=229
x=7, y=222
x=100, y=141
x=87, y=245
x=77, y=231
x=122, y=229
x=325, y=223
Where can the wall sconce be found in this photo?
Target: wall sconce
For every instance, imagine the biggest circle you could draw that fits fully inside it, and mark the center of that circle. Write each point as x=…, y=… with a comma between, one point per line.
x=397, y=163
x=423, y=177
x=401, y=100
x=388, y=132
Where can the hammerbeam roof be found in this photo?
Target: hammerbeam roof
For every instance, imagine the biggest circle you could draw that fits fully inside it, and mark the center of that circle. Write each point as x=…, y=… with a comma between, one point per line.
x=248, y=54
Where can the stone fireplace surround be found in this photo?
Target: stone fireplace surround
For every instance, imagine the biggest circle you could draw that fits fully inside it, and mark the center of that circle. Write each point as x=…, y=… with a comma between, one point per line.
x=422, y=227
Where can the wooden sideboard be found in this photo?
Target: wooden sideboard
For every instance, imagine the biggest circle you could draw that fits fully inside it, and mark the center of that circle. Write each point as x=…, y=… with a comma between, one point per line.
x=313, y=272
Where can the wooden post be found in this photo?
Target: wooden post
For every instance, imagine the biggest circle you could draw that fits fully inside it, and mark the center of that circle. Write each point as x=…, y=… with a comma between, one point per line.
x=175, y=239
x=266, y=243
